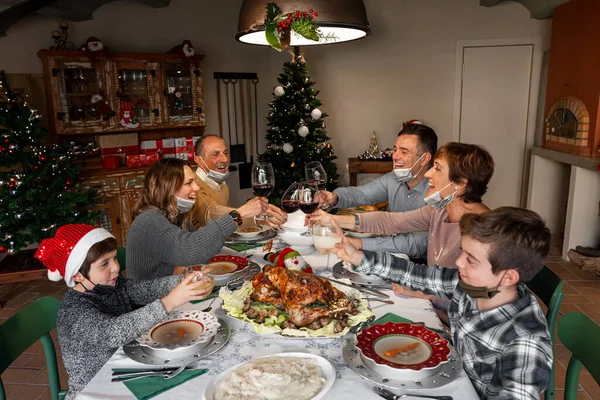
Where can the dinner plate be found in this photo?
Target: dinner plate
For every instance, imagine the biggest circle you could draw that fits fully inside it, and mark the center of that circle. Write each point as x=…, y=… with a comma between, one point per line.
x=358, y=235
x=248, y=232
x=262, y=236
x=327, y=372
x=179, y=329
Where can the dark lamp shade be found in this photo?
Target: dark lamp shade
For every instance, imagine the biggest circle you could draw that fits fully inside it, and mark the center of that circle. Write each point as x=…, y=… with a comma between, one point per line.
x=345, y=19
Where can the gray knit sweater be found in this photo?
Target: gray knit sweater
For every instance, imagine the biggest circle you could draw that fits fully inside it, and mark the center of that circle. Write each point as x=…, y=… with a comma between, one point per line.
x=155, y=245
x=92, y=327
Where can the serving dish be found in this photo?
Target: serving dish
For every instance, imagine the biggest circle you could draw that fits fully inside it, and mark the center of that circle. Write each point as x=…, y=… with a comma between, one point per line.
x=263, y=235
x=327, y=373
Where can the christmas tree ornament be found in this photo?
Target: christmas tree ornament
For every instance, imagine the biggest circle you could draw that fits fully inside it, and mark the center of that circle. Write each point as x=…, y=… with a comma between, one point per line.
x=316, y=114
x=278, y=91
x=178, y=100
x=303, y=131
x=289, y=258
x=69, y=182
x=293, y=164
x=288, y=148
x=3, y=249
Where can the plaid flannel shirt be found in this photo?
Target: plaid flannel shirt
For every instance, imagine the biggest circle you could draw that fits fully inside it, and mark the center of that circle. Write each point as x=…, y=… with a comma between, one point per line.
x=506, y=351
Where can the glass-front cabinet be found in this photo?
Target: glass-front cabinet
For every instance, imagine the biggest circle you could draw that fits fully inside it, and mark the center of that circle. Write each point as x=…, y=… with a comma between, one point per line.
x=122, y=92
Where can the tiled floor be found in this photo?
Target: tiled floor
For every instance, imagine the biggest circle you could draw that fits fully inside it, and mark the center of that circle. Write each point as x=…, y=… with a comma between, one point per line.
x=27, y=377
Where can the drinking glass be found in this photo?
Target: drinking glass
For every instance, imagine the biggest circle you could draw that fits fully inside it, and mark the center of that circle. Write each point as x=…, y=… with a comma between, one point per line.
x=325, y=238
x=309, y=199
x=263, y=182
x=206, y=278
x=290, y=201
x=314, y=172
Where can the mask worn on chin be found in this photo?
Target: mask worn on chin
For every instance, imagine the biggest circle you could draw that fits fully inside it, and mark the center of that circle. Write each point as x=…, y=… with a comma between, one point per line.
x=405, y=174
x=480, y=292
x=218, y=177
x=99, y=290
x=435, y=200
x=184, y=205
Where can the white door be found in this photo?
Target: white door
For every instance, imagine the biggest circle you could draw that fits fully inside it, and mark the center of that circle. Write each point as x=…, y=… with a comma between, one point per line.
x=494, y=112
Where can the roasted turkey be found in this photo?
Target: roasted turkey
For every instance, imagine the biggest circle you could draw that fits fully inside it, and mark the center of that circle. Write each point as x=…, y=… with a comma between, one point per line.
x=305, y=297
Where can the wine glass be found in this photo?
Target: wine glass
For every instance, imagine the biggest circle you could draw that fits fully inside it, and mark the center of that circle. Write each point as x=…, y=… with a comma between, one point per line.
x=314, y=172
x=308, y=195
x=325, y=238
x=290, y=201
x=263, y=182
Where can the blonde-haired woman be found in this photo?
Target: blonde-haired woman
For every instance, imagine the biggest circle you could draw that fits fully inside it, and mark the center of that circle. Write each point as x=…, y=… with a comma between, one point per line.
x=162, y=235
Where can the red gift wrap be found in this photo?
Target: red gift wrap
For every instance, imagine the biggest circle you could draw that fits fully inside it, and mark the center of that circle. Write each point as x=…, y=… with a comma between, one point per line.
x=111, y=162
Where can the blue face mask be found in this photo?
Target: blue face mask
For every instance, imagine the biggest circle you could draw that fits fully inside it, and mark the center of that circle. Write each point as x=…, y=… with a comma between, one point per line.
x=405, y=174
x=184, y=205
x=435, y=200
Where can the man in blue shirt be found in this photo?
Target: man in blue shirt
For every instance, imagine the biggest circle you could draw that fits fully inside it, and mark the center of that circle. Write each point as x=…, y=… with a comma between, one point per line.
x=404, y=189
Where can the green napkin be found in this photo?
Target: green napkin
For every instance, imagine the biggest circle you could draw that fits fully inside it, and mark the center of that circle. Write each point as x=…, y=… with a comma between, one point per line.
x=391, y=317
x=147, y=388
x=239, y=247
x=214, y=293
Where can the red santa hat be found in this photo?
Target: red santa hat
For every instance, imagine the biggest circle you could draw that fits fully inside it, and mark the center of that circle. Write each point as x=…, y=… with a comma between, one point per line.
x=64, y=254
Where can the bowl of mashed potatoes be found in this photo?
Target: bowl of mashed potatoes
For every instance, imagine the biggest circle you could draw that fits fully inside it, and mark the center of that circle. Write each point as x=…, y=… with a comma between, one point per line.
x=283, y=376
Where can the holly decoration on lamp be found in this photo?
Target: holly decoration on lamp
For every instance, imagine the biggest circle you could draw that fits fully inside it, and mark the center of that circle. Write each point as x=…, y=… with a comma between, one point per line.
x=279, y=26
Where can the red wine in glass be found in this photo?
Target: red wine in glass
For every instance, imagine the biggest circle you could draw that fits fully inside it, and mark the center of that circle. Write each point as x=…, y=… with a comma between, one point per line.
x=263, y=189
x=290, y=206
x=320, y=183
x=309, y=208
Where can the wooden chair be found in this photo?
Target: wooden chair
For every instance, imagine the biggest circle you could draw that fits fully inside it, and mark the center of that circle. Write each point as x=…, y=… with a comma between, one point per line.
x=549, y=288
x=580, y=336
x=23, y=329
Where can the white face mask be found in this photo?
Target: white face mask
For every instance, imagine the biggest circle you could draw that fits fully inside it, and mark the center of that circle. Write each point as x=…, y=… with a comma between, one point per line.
x=405, y=174
x=216, y=176
x=435, y=200
x=184, y=205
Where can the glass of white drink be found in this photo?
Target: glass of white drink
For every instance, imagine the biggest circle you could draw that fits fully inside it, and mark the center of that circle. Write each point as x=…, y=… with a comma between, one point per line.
x=324, y=238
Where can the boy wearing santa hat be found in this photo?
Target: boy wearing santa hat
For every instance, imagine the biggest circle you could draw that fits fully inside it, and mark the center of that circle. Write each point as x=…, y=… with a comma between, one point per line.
x=102, y=311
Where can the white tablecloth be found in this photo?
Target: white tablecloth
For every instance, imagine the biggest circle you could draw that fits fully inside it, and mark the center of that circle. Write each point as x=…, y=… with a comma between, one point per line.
x=245, y=345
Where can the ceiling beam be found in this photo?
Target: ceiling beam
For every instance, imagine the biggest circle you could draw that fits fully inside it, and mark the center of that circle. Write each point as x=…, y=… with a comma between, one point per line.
x=19, y=11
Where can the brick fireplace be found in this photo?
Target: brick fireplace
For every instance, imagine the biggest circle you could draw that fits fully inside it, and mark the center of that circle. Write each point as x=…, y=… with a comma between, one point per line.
x=572, y=107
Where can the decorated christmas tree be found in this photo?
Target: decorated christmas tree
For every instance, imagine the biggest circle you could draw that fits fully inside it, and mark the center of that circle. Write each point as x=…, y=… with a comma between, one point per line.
x=37, y=182
x=296, y=133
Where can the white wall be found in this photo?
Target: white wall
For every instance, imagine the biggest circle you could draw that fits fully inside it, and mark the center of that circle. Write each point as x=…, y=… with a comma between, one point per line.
x=404, y=71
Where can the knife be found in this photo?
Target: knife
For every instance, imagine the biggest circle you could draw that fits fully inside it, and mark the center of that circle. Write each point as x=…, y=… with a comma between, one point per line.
x=386, y=394
x=360, y=288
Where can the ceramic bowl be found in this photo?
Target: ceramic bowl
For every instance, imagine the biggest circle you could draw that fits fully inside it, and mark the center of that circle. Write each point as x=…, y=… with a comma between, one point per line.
x=302, y=244
x=295, y=222
x=228, y=265
x=424, y=352
x=249, y=231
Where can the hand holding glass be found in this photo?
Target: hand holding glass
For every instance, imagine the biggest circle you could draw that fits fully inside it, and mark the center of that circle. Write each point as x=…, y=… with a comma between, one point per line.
x=206, y=278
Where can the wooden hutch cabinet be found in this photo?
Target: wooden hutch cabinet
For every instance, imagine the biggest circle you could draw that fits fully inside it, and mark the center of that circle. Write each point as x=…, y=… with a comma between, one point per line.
x=163, y=92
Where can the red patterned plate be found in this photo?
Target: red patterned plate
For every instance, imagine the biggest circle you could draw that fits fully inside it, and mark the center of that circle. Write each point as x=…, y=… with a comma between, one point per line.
x=241, y=262
x=423, y=351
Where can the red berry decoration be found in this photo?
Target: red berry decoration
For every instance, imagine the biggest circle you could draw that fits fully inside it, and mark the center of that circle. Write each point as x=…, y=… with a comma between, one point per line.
x=3, y=249
x=316, y=14
x=310, y=11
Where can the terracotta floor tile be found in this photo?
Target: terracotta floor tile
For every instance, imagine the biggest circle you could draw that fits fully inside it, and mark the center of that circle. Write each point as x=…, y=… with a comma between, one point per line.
x=570, y=307
x=17, y=391
x=41, y=378
x=19, y=375
x=45, y=396
x=559, y=375
x=568, y=289
x=37, y=361
x=576, y=299
x=586, y=284
x=22, y=359
x=589, y=307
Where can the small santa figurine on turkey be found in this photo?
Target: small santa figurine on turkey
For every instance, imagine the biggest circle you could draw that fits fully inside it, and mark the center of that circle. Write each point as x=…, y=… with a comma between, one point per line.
x=289, y=258
x=127, y=118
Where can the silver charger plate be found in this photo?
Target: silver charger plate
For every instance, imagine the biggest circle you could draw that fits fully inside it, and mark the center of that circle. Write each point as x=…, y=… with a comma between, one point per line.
x=146, y=355
x=447, y=374
x=340, y=272
x=261, y=237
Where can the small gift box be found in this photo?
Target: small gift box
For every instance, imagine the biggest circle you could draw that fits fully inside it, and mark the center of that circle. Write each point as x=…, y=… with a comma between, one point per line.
x=168, y=148
x=111, y=162
x=134, y=160
x=150, y=158
x=126, y=143
x=184, y=148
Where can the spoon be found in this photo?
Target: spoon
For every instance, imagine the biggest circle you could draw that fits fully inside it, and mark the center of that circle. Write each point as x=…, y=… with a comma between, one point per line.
x=386, y=394
x=207, y=309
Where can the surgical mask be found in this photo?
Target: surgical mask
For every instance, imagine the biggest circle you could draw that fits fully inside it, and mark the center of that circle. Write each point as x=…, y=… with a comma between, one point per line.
x=480, y=292
x=184, y=205
x=100, y=290
x=405, y=174
x=435, y=200
x=218, y=177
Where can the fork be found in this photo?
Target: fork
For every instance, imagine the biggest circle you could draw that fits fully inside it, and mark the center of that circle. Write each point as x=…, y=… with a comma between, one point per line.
x=162, y=374
x=391, y=396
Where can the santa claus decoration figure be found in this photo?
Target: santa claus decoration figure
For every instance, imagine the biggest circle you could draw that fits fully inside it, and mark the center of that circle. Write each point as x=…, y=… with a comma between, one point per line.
x=185, y=51
x=128, y=120
x=102, y=106
x=94, y=47
x=289, y=258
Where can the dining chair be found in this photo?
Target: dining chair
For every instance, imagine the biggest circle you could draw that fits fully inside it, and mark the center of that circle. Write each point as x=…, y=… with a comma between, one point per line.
x=580, y=336
x=122, y=260
x=19, y=332
x=549, y=288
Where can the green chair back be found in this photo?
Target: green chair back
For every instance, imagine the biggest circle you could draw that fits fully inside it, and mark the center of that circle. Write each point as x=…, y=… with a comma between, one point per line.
x=122, y=259
x=549, y=288
x=23, y=329
x=580, y=336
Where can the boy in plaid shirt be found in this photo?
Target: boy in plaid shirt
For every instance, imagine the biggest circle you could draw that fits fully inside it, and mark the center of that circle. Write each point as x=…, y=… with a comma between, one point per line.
x=497, y=325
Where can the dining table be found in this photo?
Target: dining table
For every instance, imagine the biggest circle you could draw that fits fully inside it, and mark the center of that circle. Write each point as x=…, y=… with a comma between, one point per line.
x=245, y=344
